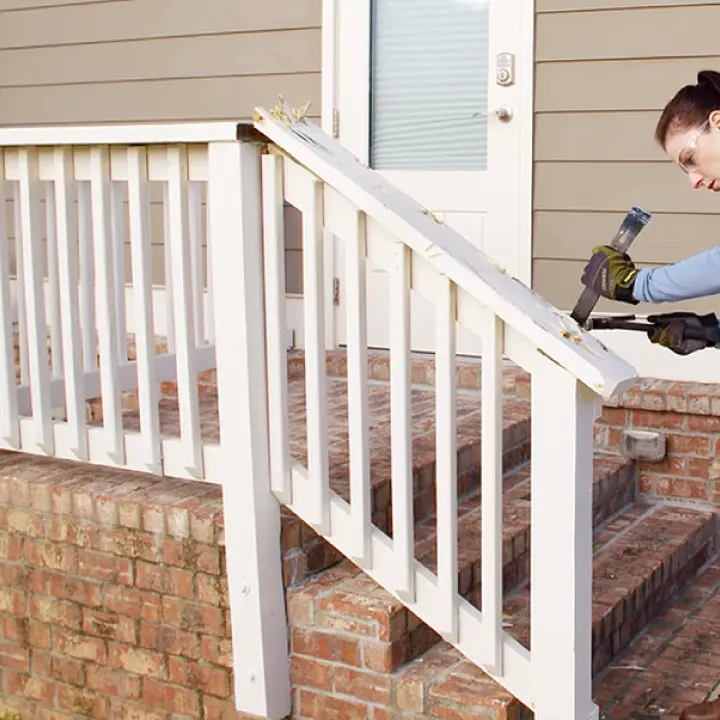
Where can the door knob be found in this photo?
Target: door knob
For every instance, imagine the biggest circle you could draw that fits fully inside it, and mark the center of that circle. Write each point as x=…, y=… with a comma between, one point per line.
x=504, y=114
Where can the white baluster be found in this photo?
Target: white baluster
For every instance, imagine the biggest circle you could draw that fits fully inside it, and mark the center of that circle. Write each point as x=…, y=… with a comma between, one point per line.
x=274, y=258
x=358, y=412
x=209, y=295
x=252, y=528
x=446, y=456
x=35, y=302
x=491, y=484
x=117, y=214
x=53, y=290
x=315, y=366
x=112, y=435
x=147, y=453
x=196, y=257
x=563, y=413
x=181, y=305
x=87, y=277
x=67, y=255
x=9, y=432
x=20, y=275
x=401, y=423
x=169, y=311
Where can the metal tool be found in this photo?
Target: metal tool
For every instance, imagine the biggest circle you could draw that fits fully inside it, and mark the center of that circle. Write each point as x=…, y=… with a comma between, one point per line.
x=634, y=222
x=629, y=322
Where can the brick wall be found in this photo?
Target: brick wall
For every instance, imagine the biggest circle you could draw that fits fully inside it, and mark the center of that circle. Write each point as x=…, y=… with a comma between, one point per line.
x=688, y=414
x=113, y=593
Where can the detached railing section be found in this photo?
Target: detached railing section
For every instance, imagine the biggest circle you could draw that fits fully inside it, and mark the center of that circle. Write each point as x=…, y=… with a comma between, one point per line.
x=570, y=372
x=93, y=229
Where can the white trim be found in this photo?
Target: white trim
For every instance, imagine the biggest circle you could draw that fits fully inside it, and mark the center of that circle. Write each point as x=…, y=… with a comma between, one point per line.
x=526, y=118
x=141, y=134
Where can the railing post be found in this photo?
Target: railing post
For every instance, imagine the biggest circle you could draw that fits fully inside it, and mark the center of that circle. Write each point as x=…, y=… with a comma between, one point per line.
x=563, y=412
x=252, y=515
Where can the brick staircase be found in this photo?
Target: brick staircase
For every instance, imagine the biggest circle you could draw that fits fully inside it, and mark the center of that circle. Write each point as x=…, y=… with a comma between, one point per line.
x=357, y=652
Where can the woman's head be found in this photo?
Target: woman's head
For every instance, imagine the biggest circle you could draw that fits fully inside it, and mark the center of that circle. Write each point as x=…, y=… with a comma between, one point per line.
x=689, y=130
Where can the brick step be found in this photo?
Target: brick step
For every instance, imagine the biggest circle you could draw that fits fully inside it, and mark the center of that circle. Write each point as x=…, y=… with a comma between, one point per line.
x=344, y=624
x=674, y=663
x=422, y=370
x=613, y=489
x=306, y=552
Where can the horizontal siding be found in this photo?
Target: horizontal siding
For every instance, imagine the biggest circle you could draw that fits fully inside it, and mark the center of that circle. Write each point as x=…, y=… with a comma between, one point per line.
x=604, y=71
x=628, y=34
x=143, y=19
x=157, y=60
x=547, y=6
x=231, y=55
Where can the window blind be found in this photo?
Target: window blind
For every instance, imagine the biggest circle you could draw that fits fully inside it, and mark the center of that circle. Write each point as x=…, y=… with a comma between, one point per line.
x=429, y=84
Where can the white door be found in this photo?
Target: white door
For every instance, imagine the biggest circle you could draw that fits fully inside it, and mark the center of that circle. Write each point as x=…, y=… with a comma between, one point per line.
x=418, y=99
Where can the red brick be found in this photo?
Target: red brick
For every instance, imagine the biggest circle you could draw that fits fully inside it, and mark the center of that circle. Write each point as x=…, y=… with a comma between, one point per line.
x=111, y=682
x=83, y=592
x=106, y=567
x=29, y=687
x=136, y=661
x=665, y=420
x=52, y=556
x=128, y=543
x=688, y=444
x=174, y=699
x=214, y=709
x=82, y=703
x=109, y=626
x=39, y=635
x=133, y=603
x=326, y=646
x=14, y=656
x=12, y=601
x=170, y=641
x=700, y=423
x=192, y=616
x=327, y=707
x=383, y=657
x=211, y=590
x=12, y=547
x=216, y=650
x=79, y=646
x=698, y=467
x=198, y=676
x=55, y=612
x=362, y=685
x=24, y=522
x=66, y=530
x=171, y=581
x=682, y=488
x=310, y=672
x=63, y=669
x=130, y=711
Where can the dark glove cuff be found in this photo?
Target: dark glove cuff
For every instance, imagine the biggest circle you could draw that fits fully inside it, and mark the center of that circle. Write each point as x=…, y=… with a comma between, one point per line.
x=624, y=293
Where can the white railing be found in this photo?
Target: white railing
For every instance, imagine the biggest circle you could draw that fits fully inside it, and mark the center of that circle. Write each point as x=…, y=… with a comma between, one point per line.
x=570, y=372
x=73, y=292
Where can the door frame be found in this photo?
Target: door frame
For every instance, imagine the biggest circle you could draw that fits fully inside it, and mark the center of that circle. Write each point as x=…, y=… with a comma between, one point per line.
x=523, y=45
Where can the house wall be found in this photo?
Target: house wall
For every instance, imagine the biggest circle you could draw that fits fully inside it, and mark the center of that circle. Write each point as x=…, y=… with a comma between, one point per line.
x=604, y=71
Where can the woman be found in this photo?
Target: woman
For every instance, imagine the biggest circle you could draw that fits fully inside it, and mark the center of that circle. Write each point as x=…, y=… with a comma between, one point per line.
x=689, y=132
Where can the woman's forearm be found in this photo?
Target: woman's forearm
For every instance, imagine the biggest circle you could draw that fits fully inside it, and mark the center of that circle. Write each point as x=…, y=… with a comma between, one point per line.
x=696, y=276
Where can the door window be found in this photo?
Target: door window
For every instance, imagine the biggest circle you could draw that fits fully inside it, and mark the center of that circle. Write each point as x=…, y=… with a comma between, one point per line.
x=429, y=85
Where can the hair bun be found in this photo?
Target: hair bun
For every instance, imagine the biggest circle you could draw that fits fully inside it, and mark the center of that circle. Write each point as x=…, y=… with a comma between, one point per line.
x=709, y=77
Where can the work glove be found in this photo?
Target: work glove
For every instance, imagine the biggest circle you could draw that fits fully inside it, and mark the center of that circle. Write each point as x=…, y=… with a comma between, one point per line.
x=611, y=274
x=684, y=333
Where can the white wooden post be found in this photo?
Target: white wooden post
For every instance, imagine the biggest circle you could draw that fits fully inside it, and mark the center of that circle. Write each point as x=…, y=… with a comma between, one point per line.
x=252, y=515
x=563, y=412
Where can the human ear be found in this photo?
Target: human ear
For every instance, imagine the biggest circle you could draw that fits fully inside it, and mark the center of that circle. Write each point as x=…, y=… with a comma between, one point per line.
x=715, y=119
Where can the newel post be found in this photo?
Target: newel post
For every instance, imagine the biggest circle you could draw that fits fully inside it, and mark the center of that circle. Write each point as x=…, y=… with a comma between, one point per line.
x=252, y=515
x=561, y=526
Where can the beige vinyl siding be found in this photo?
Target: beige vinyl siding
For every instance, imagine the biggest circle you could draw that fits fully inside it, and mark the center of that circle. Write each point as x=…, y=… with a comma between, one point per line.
x=604, y=71
x=126, y=61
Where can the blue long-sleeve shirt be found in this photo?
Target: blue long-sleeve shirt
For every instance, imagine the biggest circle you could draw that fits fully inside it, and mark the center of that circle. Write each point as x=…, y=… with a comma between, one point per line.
x=694, y=277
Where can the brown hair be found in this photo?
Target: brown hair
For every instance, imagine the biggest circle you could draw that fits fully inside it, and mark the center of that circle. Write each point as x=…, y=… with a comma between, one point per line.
x=690, y=107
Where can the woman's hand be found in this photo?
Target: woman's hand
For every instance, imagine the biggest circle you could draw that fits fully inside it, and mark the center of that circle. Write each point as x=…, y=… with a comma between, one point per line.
x=611, y=274
x=684, y=332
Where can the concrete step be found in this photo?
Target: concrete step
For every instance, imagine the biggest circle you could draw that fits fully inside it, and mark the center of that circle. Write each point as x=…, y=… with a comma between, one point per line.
x=642, y=557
